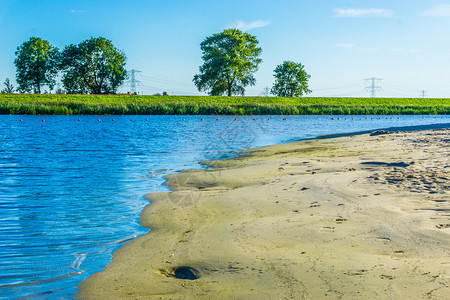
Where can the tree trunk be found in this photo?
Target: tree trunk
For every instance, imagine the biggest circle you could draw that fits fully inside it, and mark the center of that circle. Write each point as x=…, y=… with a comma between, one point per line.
x=230, y=87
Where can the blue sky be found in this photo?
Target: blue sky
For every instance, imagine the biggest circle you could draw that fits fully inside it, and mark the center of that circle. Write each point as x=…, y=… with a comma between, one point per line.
x=406, y=43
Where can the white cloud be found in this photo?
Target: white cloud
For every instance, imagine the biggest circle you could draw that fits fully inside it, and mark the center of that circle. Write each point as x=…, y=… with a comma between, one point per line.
x=345, y=45
x=249, y=26
x=439, y=11
x=356, y=12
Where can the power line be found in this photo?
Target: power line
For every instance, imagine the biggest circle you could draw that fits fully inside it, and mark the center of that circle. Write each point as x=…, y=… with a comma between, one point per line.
x=334, y=88
x=373, y=88
x=347, y=94
x=398, y=87
x=390, y=93
x=166, y=81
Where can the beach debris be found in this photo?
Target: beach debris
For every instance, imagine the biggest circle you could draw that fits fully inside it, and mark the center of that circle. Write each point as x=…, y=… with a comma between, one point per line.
x=340, y=220
x=182, y=272
x=442, y=226
x=304, y=188
x=186, y=273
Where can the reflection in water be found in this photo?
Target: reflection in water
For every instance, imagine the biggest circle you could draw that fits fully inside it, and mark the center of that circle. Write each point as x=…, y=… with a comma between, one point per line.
x=71, y=191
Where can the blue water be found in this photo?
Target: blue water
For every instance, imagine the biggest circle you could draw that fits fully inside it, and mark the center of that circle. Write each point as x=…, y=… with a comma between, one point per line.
x=71, y=191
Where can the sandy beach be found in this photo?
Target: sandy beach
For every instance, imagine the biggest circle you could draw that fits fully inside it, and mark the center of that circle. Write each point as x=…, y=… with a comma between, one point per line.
x=354, y=217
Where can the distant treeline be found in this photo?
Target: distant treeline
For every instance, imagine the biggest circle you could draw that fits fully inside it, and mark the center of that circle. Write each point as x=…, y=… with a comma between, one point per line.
x=33, y=104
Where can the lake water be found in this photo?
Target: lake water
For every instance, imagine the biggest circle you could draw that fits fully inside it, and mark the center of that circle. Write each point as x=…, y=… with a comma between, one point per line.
x=72, y=187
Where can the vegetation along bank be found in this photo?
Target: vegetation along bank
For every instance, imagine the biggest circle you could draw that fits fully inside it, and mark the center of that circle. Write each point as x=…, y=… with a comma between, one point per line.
x=33, y=104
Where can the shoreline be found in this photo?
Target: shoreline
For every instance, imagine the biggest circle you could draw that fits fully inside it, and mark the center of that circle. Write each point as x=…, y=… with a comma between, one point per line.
x=315, y=218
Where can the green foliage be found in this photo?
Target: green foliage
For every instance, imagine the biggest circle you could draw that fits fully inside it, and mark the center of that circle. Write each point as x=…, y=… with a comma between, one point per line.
x=9, y=88
x=35, y=98
x=94, y=66
x=36, y=65
x=291, y=80
x=60, y=91
x=230, y=59
x=183, y=105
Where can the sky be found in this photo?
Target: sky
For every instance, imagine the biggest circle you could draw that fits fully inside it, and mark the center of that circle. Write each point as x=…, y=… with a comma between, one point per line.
x=340, y=43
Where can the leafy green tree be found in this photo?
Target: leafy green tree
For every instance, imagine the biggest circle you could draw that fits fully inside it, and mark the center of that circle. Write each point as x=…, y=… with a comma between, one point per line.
x=291, y=80
x=74, y=84
x=230, y=59
x=94, y=66
x=36, y=65
x=9, y=88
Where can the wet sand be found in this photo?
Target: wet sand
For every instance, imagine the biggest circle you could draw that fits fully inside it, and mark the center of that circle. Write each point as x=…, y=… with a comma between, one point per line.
x=356, y=217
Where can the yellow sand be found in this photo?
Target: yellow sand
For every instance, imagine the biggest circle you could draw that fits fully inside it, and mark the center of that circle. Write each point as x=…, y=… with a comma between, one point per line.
x=304, y=220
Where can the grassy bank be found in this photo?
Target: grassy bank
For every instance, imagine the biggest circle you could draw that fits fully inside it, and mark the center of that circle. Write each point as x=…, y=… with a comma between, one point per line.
x=203, y=105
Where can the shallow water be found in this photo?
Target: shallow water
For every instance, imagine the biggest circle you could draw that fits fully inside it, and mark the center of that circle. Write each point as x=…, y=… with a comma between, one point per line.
x=71, y=191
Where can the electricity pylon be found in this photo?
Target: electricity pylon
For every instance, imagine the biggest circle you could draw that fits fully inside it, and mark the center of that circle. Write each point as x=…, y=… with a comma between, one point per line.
x=423, y=93
x=133, y=82
x=373, y=88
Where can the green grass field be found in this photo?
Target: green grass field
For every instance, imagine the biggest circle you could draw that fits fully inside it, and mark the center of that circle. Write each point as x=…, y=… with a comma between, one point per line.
x=196, y=105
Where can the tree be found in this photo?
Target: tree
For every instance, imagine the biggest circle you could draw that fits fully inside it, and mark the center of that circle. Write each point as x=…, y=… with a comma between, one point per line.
x=94, y=66
x=291, y=80
x=60, y=91
x=9, y=88
x=230, y=59
x=36, y=65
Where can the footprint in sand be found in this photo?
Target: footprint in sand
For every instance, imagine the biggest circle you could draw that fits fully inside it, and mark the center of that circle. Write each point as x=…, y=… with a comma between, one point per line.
x=385, y=240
